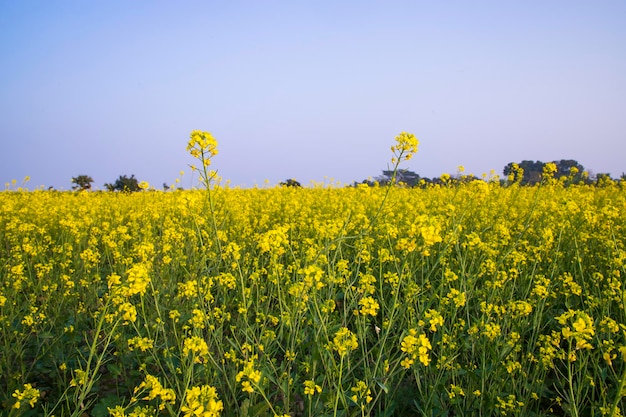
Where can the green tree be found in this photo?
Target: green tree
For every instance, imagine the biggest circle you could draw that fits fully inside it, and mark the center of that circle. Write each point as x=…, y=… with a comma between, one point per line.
x=533, y=170
x=569, y=168
x=291, y=183
x=124, y=183
x=604, y=179
x=82, y=182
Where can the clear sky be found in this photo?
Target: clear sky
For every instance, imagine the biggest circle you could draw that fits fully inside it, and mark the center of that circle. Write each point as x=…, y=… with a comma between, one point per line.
x=311, y=90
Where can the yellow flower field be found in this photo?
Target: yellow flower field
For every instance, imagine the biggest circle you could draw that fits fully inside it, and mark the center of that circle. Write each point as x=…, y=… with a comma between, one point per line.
x=478, y=298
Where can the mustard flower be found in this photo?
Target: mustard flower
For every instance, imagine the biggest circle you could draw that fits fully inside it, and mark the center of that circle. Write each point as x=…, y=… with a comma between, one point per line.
x=491, y=330
x=577, y=325
x=80, y=378
x=188, y=289
x=202, y=145
x=435, y=319
x=455, y=391
x=415, y=348
x=198, y=318
x=138, y=279
x=362, y=394
x=28, y=394
x=344, y=341
x=156, y=391
x=197, y=347
x=248, y=376
x=128, y=312
x=310, y=388
x=549, y=170
x=369, y=306
x=405, y=147
x=142, y=343
x=457, y=297
x=202, y=402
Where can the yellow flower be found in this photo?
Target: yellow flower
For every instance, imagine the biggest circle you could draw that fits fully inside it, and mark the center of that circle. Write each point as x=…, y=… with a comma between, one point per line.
x=202, y=402
x=29, y=394
x=248, y=376
x=368, y=306
x=156, y=390
x=415, y=348
x=80, y=378
x=344, y=341
x=405, y=147
x=434, y=318
x=362, y=394
x=455, y=391
x=128, y=312
x=491, y=330
x=457, y=297
x=142, y=343
x=197, y=347
x=174, y=315
x=310, y=388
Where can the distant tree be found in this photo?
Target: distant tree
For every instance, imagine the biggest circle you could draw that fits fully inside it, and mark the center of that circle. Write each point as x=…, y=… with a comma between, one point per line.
x=571, y=169
x=125, y=184
x=291, y=183
x=82, y=182
x=604, y=179
x=404, y=176
x=533, y=170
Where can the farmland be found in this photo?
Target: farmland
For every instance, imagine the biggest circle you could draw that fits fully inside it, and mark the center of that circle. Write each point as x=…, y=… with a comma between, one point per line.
x=481, y=298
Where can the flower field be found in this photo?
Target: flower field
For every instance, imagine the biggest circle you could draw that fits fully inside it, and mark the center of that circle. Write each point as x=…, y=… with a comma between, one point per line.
x=471, y=299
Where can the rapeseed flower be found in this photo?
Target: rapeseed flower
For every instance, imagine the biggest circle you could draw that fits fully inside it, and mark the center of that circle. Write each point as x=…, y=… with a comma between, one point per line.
x=416, y=347
x=142, y=343
x=369, y=306
x=197, y=347
x=202, y=401
x=29, y=395
x=578, y=326
x=344, y=341
x=310, y=388
x=249, y=376
x=361, y=393
x=405, y=147
x=155, y=390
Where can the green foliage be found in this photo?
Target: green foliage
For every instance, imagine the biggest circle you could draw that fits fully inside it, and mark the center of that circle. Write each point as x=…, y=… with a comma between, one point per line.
x=82, y=182
x=533, y=171
x=124, y=184
x=291, y=183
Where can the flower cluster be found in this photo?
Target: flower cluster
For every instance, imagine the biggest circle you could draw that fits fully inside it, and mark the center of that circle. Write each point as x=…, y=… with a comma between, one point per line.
x=249, y=376
x=415, y=347
x=28, y=395
x=405, y=147
x=202, y=401
x=344, y=341
x=155, y=390
x=202, y=146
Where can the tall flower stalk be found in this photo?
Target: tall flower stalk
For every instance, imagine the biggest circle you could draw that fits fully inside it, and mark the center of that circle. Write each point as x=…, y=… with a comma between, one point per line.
x=203, y=147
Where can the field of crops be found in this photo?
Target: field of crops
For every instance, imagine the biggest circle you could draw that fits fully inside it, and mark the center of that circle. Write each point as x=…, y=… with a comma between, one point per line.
x=472, y=299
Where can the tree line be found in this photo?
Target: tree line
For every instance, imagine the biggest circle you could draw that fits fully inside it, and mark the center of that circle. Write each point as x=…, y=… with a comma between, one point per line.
x=123, y=183
x=524, y=173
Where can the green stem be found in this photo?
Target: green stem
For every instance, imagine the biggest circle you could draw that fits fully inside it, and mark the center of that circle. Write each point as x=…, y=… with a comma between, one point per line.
x=570, y=381
x=339, y=385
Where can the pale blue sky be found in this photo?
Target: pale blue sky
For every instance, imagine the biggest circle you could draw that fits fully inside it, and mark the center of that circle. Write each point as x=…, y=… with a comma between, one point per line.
x=307, y=89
